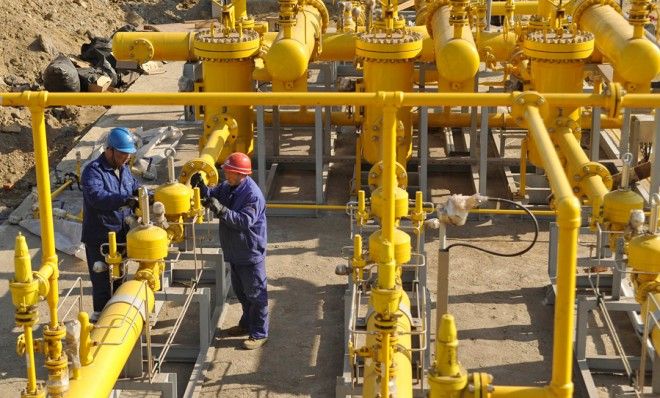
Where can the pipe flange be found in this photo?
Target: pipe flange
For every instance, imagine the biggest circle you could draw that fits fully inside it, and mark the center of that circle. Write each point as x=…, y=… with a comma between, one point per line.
x=195, y=165
x=523, y=100
x=395, y=46
x=582, y=7
x=376, y=176
x=615, y=93
x=141, y=50
x=231, y=46
x=563, y=48
x=431, y=8
x=593, y=169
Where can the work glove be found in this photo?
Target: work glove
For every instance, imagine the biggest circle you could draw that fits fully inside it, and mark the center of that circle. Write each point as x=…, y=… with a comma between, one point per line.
x=132, y=203
x=214, y=205
x=197, y=181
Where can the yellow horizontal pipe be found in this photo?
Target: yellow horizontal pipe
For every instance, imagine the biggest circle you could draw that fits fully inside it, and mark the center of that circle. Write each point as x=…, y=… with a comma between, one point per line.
x=513, y=212
x=636, y=60
x=521, y=7
x=428, y=50
x=521, y=392
x=501, y=46
x=28, y=98
x=442, y=119
x=337, y=47
x=306, y=207
x=61, y=189
x=166, y=46
x=114, y=340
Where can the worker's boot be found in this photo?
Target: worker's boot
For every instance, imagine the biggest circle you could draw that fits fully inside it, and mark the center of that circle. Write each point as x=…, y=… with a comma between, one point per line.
x=253, y=344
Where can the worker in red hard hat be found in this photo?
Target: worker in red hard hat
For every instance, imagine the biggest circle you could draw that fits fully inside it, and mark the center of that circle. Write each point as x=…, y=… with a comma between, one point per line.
x=241, y=208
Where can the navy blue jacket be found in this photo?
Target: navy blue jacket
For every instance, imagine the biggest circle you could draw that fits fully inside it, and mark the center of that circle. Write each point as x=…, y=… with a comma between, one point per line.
x=243, y=225
x=103, y=195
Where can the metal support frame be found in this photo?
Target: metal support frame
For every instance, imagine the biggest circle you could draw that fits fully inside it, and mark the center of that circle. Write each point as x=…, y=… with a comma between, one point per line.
x=655, y=166
x=595, y=134
x=483, y=151
x=624, y=143
x=166, y=383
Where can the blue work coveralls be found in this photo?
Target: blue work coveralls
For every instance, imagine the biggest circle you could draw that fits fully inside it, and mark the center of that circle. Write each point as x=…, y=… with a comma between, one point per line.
x=243, y=241
x=104, y=194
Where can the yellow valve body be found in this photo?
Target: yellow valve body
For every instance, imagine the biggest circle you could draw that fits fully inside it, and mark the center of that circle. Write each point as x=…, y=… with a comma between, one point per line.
x=618, y=204
x=147, y=243
x=24, y=289
x=378, y=247
x=644, y=253
x=175, y=197
x=400, y=203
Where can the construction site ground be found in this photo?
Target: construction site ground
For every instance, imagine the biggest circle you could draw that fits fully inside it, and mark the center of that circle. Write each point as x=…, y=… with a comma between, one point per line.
x=504, y=326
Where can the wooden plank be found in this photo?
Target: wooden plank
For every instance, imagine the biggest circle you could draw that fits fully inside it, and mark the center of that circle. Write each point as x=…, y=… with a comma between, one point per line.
x=406, y=5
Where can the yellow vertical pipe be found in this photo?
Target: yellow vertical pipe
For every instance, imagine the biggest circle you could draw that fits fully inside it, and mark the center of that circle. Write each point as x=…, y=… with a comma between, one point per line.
x=523, y=168
x=240, y=9
x=568, y=222
x=230, y=76
x=389, y=176
x=385, y=365
x=48, y=255
x=29, y=351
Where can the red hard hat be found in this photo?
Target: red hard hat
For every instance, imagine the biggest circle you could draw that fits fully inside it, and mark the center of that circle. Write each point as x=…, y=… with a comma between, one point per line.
x=238, y=162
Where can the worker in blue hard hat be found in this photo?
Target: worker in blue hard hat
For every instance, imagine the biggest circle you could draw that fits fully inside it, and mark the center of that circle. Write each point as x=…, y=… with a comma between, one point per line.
x=109, y=195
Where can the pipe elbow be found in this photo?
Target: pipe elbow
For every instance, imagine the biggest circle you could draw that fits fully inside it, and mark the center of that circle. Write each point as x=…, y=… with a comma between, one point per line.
x=458, y=60
x=569, y=213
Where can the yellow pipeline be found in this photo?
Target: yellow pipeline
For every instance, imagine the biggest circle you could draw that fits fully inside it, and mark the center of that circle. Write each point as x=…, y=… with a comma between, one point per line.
x=456, y=55
x=229, y=76
x=209, y=155
x=584, y=172
x=158, y=46
x=524, y=7
x=114, y=337
x=636, y=60
x=568, y=222
x=441, y=119
x=499, y=44
x=287, y=59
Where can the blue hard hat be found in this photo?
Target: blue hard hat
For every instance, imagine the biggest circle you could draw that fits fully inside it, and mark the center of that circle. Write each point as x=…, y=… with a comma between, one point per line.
x=121, y=140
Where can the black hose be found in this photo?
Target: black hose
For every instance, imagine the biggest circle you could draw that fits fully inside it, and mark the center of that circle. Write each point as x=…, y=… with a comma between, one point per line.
x=518, y=253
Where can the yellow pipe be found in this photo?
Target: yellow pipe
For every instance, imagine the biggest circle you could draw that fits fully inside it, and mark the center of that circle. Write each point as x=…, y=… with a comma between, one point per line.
x=593, y=186
x=456, y=58
x=521, y=392
x=635, y=60
x=389, y=174
x=114, y=337
x=513, y=212
x=441, y=119
x=61, y=189
x=31, y=388
x=501, y=45
x=209, y=155
x=337, y=47
x=568, y=222
x=408, y=99
x=157, y=46
x=523, y=168
x=524, y=7
x=287, y=59
x=48, y=255
x=306, y=207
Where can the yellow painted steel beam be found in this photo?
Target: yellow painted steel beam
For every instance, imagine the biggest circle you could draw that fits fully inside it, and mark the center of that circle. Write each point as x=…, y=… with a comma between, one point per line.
x=114, y=337
x=157, y=46
x=568, y=222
